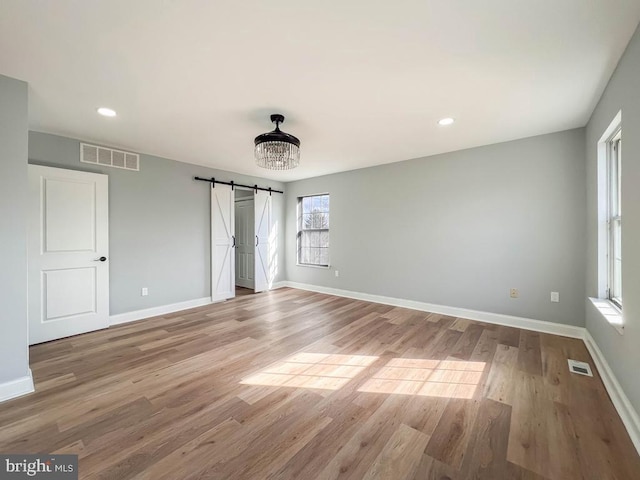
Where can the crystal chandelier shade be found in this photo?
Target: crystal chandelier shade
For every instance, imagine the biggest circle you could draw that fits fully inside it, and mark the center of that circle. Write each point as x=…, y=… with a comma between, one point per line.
x=277, y=150
x=277, y=155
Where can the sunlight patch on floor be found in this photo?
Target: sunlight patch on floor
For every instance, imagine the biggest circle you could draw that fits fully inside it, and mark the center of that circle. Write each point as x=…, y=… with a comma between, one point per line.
x=402, y=376
x=312, y=370
x=428, y=378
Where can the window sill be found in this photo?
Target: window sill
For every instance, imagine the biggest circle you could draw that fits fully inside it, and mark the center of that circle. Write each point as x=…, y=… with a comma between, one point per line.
x=323, y=267
x=610, y=313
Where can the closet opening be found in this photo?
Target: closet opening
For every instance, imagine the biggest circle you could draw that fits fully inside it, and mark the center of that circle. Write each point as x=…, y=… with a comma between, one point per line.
x=245, y=241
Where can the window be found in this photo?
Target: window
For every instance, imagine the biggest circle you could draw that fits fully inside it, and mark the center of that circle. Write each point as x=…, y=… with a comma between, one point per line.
x=313, y=230
x=614, y=218
x=609, y=168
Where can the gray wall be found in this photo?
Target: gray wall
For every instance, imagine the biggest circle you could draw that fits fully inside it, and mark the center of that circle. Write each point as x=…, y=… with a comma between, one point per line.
x=14, y=356
x=460, y=229
x=159, y=220
x=622, y=93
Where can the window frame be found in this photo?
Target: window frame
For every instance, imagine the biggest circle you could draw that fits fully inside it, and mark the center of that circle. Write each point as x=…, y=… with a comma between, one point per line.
x=300, y=230
x=606, y=301
x=614, y=217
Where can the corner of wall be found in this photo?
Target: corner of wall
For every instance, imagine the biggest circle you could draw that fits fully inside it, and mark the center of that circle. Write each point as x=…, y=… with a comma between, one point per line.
x=17, y=388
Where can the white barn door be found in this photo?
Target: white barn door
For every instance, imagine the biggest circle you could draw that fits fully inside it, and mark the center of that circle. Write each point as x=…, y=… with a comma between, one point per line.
x=68, y=250
x=262, y=272
x=222, y=243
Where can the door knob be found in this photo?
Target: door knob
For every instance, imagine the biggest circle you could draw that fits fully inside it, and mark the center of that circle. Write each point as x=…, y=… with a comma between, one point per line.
x=101, y=259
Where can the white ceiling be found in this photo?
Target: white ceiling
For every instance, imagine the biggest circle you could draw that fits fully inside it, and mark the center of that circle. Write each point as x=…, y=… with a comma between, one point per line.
x=361, y=82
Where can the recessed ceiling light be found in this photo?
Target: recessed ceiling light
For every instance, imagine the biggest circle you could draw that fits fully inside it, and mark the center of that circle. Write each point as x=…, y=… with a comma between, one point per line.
x=446, y=121
x=106, y=112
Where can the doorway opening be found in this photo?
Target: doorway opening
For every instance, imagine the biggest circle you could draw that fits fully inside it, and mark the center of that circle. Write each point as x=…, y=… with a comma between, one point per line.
x=245, y=245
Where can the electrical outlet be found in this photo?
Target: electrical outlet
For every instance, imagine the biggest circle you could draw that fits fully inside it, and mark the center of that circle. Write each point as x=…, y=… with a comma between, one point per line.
x=144, y=292
x=514, y=293
x=555, y=297
x=337, y=273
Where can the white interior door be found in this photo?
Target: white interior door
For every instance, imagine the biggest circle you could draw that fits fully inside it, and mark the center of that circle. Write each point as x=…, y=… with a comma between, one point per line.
x=263, y=276
x=245, y=242
x=222, y=230
x=68, y=253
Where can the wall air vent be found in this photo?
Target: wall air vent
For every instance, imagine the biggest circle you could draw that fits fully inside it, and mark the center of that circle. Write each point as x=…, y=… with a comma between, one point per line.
x=581, y=368
x=109, y=157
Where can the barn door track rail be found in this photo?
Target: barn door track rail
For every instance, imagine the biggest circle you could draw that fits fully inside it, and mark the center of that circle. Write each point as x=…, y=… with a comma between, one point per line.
x=213, y=182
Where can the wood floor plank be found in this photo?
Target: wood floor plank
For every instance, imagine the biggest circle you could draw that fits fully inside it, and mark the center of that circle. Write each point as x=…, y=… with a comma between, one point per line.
x=126, y=452
x=529, y=354
x=515, y=472
x=488, y=459
x=501, y=383
x=401, y=455
x=467, y=342
x=592, y=416
x=424, y=413
x=485, y=349
x=291, y=384
x=318, y=452
x=354, y=459
x=528, y=444
x=449, y=441
x=509, y=336
x=177, y=463
x=460, y=324
x=432, y=469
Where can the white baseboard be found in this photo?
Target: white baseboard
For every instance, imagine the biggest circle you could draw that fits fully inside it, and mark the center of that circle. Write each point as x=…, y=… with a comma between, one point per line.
x=16, y=388
x=155, y=311
x=487, y=317
x=627, y=413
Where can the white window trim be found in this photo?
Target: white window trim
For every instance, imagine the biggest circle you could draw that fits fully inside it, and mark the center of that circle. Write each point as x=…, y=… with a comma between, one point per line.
x=321, y=267
x=612, y=216
x=609, y=310
x=298, y=206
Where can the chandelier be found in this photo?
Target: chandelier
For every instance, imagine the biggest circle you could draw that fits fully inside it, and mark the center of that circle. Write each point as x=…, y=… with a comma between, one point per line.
x=277, y=150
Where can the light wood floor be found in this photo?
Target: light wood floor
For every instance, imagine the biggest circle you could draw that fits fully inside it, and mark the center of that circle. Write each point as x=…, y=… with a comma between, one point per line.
x=291, y=384
x=241, y=291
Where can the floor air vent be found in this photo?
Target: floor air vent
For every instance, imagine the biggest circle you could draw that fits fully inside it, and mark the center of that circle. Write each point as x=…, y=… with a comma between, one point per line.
x=581, y=368
x=109, y=157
